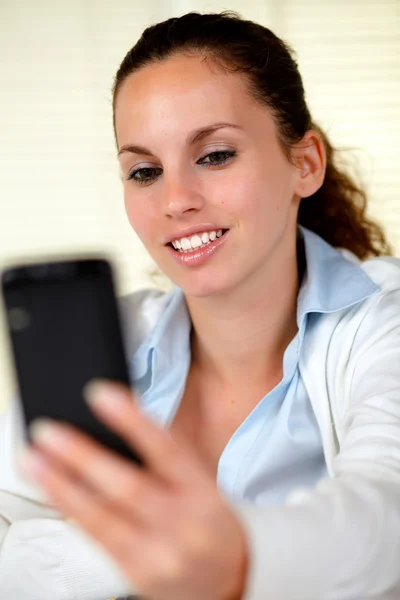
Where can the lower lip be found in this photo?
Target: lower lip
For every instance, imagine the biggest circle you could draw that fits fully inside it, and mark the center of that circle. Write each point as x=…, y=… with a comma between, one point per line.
x=199, y=256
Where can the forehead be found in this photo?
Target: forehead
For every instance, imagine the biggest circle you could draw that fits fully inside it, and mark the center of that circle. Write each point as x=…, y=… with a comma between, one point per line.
x=180, y=92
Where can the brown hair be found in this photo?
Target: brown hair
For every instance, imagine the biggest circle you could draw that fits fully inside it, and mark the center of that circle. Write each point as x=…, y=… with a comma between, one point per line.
x=337, y=210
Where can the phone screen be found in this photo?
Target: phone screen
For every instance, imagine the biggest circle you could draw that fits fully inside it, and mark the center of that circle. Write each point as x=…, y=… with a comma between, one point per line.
x=65, y=330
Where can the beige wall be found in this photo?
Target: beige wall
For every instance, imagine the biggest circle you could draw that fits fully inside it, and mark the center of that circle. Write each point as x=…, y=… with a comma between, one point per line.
x=59, y=179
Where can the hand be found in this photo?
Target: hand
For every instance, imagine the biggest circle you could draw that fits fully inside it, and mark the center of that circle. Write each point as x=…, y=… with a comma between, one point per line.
x=166, y=525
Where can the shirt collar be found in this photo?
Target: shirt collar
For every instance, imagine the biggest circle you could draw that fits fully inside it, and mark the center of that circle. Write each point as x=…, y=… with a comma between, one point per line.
x=330, y=283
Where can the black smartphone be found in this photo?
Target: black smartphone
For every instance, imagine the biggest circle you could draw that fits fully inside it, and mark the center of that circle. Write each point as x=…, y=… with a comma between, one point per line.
x=65, y=329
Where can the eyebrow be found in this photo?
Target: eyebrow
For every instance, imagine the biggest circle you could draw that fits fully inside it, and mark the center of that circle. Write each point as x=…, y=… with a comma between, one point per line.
x=196, y=136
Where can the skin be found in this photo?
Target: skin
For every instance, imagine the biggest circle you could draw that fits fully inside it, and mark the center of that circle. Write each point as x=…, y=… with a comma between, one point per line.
x=243, y=307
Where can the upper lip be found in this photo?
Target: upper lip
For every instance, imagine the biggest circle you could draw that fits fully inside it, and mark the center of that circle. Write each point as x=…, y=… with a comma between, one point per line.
x=201, y=228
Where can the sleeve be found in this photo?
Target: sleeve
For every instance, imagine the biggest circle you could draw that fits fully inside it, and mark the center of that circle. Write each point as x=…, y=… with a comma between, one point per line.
x=42, y=556
x=341, y=541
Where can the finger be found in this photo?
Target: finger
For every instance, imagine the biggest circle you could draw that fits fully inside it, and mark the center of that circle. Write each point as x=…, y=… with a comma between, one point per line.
x=112, y=402
x=115, y=478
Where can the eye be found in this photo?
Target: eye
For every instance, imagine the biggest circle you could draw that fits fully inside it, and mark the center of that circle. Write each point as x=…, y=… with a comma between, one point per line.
x=217, y=158
x=145, y=175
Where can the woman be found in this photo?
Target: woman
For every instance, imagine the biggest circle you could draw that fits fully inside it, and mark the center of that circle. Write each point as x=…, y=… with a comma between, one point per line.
x=268, y=380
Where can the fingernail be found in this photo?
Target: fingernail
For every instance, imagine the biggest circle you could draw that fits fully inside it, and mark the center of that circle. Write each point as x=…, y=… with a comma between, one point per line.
x=102, y=394
x=45, y=431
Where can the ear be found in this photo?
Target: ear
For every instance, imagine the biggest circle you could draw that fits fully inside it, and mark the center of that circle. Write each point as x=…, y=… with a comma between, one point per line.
x=310, y=159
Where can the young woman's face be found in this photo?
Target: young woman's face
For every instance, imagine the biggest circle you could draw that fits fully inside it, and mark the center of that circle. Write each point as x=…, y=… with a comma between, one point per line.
x=234, y=179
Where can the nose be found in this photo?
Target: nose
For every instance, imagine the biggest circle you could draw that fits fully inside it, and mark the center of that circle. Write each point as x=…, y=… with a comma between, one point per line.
x=181, y=195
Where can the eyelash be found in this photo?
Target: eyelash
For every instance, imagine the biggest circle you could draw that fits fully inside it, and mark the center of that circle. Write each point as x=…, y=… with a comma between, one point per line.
x=228, y=153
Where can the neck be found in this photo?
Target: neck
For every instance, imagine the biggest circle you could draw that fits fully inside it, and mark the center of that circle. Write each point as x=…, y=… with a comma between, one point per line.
x=244, y=338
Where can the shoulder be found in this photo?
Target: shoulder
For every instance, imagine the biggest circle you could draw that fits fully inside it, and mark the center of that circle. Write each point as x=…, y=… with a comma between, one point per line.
x=139, y=313
x=365, y=341
x=378, y=326
x=384, y=271
x=142, y=302
x=381, y=311
x=365, y=376
x=335, y=342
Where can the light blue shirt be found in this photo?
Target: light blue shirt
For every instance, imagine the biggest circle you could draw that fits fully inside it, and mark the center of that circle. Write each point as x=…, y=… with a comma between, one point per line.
x=278, y=446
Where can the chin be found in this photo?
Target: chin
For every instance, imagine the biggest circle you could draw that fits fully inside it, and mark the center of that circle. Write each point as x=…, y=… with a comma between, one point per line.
x=202, y=282
x=204, y=289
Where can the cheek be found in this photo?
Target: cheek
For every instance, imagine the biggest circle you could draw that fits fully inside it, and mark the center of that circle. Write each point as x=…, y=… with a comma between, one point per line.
x=248, y=196
x=262, y=191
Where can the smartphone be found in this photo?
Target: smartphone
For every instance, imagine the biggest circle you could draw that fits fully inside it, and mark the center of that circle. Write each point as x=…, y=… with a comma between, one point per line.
x=64, y=328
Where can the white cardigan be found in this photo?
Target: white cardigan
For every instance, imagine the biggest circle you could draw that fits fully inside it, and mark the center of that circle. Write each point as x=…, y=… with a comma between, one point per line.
x=350, y=365
x=341, y=541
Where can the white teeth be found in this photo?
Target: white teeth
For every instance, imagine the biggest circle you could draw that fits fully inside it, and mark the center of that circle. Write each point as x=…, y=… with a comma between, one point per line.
x=185, y=244
x=195, y=241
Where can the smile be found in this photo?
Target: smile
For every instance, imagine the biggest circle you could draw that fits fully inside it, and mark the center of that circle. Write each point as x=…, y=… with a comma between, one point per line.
x=203, y=252
x=197, y=241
